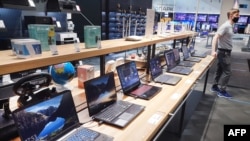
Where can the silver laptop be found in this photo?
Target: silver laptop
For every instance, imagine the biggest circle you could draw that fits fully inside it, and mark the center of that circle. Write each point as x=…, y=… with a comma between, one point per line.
x=157, y=73
x=196, y=54
x=187, y=57
x=53, y=119
x=103, y=105
x=178, y=59
x=172, y=65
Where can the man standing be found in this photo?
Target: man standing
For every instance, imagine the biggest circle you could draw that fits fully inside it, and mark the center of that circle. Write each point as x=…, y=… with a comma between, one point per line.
x=221, y=49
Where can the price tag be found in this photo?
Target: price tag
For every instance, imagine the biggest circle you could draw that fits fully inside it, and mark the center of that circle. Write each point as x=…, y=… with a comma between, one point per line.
x=58, y=24
x=154, y=119
x=197, y=72
x=189, y=81
x=2, y=25
x=175, y=96
x=78, y=8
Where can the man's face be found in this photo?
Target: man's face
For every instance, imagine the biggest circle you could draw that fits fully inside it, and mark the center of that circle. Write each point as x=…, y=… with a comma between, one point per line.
x=235, y=15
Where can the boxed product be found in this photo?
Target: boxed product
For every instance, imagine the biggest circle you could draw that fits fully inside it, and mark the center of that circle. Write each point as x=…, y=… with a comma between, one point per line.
x=25, y=48
x=84, y=72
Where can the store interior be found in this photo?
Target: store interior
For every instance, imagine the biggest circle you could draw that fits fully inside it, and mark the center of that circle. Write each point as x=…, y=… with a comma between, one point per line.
x=205, y=118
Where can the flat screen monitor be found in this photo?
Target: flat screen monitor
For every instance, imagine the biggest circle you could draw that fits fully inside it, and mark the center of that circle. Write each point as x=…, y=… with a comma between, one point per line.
x=202, y=18
x=243, y=19
x=212, y=18
x=180, y=16
x=190, y=17
x=214, y=25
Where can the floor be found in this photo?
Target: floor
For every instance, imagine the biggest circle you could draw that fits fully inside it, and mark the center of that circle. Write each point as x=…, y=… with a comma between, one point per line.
x=212, y=112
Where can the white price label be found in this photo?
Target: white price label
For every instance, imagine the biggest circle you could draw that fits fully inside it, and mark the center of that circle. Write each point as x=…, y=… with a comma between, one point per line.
x=154, y=119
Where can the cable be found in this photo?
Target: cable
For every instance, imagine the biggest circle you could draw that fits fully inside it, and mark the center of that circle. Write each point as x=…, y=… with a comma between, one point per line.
x=86, y=18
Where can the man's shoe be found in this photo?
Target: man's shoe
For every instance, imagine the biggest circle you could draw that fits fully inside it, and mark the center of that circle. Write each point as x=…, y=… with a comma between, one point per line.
x=215, y=88
x=224, y=94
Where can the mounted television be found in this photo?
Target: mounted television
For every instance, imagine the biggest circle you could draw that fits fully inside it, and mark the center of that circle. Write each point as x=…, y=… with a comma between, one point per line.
x=212, y=18
x=180, y=16
x=18, y=4
x=214, y=25
x=202, y=18
x=243, y=19
x=190, y=17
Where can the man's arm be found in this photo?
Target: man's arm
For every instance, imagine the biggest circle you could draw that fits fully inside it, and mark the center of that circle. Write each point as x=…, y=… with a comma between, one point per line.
x=214, y=45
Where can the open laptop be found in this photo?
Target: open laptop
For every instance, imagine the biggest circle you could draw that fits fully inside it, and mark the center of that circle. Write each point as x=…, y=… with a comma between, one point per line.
x=103, y=105
x=131, y=83
x=53, y=119
x=172, y=65
x=196, y=54
x=157, y=73
x=186, y=55
x=178, y=59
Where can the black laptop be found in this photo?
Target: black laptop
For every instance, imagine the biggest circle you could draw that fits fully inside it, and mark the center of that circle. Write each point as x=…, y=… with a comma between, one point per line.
x=178, y=59
x=172, y=66
x=196, y=54
x=187, y=57
x=157, y=73
x=103, y=105
x=53, y=119
x=131, y=83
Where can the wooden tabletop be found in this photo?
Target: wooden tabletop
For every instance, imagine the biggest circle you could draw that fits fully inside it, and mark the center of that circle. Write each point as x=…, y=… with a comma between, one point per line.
x=157, y=111
x=10, y=63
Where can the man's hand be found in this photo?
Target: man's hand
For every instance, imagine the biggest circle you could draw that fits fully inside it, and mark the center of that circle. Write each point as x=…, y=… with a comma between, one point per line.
x=214, y=54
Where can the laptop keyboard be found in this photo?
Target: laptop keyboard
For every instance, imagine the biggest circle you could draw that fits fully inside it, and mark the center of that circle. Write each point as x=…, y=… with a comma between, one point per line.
x=83, y=134
x=163, y=78
x=116, y=109
x=152, y=91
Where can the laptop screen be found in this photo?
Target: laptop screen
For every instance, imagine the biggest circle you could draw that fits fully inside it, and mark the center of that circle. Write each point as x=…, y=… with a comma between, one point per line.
x=185, y=52
x=128, y=76
x=47, y=119
x=155, y=67
x=170, y=60
x=176, y=55
x=100, y=93
x=191, y=49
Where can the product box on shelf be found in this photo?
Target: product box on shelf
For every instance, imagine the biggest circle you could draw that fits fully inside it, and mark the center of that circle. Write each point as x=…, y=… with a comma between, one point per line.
x=84, y=73
x=26, y=48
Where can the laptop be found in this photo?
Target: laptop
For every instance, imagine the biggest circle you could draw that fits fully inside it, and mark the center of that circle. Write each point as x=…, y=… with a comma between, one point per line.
x=131, y=83
x=172, y=65
x=186, y=56
x=103, y=105
x=196, y=54
x=178, y=59
x=53, y=119
x=157, y=73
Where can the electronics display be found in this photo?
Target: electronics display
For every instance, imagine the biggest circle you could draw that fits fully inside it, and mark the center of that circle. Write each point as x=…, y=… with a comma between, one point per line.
x=180, y=16
x=212, y=18
x=243, y=19
x=202, y=18
x=214, y=26
x=191, y=17
x=122, y=24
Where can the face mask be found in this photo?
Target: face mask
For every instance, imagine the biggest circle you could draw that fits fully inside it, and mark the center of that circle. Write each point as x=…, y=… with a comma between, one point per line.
x=235, y=19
